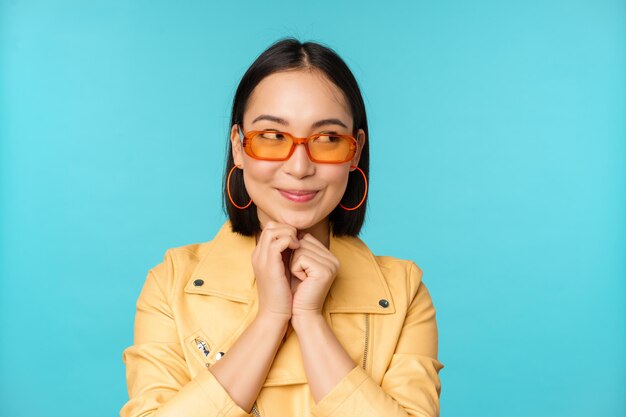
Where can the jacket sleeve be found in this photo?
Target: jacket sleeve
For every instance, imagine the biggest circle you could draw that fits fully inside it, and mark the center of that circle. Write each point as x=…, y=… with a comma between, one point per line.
x=411, y=385
x=159, y=384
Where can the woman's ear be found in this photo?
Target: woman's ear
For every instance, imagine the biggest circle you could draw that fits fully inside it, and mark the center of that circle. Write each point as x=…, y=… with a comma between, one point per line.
x=360, y=139
x=237, y=146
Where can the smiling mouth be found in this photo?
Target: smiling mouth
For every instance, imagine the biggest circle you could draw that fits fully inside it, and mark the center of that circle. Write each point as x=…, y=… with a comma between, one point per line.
x=300, y=196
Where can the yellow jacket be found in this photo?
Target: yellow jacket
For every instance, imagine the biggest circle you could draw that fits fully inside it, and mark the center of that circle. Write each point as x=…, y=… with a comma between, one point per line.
x=196, y=303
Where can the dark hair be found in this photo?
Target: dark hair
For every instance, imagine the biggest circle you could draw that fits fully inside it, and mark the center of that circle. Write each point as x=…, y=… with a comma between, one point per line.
x=289, y=54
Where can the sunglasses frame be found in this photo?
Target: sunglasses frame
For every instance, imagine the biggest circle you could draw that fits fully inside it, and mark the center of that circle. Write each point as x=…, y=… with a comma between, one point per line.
x=247, y=137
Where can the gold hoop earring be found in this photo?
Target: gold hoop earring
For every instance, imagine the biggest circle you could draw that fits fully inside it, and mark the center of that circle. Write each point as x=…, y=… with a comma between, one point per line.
x=364, y=195
x=228, y=190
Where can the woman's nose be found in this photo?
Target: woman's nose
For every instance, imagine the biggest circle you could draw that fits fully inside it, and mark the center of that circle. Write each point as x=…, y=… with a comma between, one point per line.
x=299, y=165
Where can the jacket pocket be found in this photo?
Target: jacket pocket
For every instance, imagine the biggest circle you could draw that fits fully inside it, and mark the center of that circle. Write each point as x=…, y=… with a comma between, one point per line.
x=200, y=348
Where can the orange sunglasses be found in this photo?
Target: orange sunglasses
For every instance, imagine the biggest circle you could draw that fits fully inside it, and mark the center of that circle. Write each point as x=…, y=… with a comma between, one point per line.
x=272, y=145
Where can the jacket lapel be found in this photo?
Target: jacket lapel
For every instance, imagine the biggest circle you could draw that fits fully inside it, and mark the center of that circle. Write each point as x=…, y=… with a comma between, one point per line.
x=360, y=284
x=226, y=268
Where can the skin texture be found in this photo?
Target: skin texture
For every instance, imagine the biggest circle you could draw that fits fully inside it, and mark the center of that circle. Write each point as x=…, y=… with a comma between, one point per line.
x=292, y=264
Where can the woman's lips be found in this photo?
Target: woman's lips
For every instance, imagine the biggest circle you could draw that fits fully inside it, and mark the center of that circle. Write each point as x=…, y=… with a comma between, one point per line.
x=297, y=195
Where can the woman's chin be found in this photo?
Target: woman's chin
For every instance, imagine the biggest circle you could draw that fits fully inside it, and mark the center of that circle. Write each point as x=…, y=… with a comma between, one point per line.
x=299, y=224
x=299, y=221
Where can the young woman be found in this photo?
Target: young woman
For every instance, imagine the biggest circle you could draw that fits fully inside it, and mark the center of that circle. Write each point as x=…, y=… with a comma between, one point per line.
x=286, y=312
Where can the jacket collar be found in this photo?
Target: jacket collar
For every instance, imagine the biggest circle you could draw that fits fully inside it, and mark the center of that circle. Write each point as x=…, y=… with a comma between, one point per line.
x=227, y=272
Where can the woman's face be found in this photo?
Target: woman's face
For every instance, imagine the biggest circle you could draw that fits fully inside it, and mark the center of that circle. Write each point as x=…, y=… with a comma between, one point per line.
x=301, y=102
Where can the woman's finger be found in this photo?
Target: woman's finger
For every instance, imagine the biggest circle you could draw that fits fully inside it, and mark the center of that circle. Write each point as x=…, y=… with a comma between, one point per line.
x=276, y=239
x=315, y=246
x=307, y=264
x=312, y=254
x=273, y=230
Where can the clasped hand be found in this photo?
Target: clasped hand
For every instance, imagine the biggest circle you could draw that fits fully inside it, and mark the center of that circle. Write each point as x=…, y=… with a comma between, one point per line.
x=293, y=273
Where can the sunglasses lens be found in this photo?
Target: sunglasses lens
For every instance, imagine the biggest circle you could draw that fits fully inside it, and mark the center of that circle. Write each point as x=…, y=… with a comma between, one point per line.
x=329, y=148
x=324, y=148
x=270, y=145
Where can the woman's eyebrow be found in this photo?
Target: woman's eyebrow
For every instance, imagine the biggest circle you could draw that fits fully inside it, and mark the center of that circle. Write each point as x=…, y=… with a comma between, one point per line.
x=315, y=125
x=325, y=122
x=271, y=119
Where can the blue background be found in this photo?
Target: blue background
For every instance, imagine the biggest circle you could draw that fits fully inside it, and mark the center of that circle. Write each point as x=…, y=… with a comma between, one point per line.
x=498, y=142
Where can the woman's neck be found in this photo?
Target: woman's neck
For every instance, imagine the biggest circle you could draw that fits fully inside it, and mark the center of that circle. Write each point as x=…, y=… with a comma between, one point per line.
x=320, y=231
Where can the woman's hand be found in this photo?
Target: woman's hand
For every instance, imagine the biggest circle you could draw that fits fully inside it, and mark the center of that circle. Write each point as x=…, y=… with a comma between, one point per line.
x=268, y=262
x=315, y=267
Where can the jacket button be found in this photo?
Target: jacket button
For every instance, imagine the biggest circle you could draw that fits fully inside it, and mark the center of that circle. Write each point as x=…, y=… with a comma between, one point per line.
x=198, y=283
x=383, y=303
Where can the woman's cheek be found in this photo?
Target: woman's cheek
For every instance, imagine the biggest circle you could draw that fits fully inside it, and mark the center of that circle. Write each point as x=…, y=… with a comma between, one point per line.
x=258, y=178
x=337, y=181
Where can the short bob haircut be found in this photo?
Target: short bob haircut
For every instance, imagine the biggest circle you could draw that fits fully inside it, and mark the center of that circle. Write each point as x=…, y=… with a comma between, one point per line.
x=291, y=54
